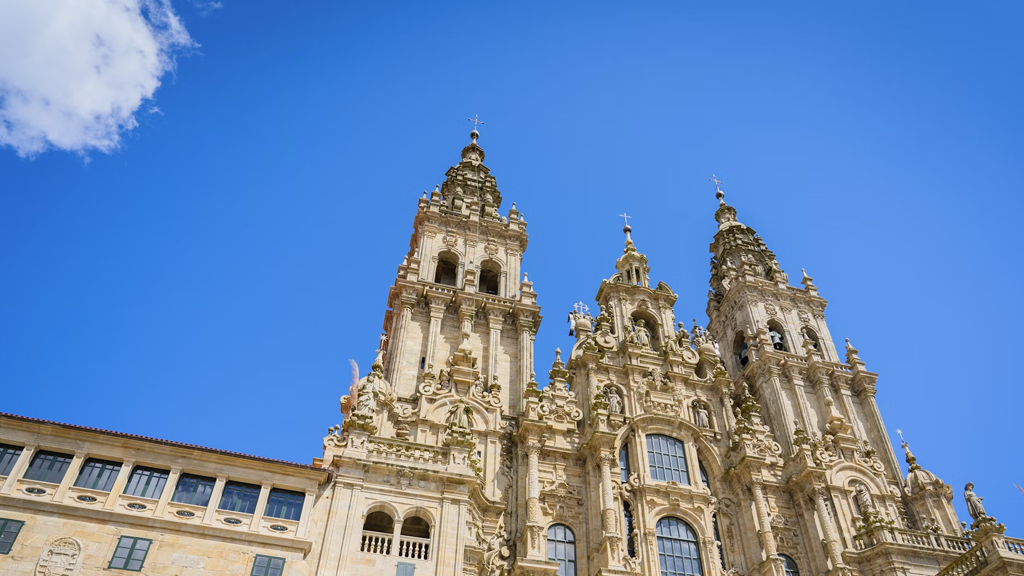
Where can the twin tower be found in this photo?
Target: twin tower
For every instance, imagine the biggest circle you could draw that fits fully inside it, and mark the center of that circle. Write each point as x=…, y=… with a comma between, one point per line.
x=751, y=446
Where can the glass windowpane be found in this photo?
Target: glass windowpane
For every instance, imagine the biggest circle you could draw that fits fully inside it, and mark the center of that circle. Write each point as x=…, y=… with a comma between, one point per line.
x=194, y=490
x=678, y=552
x=146, y=483
x=8, y=457
x=562, y=549
x=48, y=467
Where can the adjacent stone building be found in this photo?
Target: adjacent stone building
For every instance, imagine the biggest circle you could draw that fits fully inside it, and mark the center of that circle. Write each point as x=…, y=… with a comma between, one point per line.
x=752, y=446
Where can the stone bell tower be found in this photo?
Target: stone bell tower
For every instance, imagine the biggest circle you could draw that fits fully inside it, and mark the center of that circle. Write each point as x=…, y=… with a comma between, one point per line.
x=458, y=293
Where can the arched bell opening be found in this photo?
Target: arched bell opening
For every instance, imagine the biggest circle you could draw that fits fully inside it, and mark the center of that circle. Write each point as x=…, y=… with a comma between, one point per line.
x=490, y=275
x=447, y=271
x=739, y=350
x=777, y=334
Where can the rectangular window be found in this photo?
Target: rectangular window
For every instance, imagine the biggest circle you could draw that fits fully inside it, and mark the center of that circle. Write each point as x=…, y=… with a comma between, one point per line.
x=8, y=456
x=8, y=534
x=405, y=569
x=146, y=482
x=98, y=475
x=240, y=497
x=285, y=504
x=267, y=566
x=48, y=467
x=130, y=553
x=194, y=490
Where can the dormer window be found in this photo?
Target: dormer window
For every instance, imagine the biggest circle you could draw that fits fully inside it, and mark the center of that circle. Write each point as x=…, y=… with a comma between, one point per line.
x=490, y=273
x=447, y=272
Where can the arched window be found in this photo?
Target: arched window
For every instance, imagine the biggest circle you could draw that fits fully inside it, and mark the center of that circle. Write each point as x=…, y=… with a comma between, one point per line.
x=378, y=529
x=627, y=513
x=811, y=335
x=415, y=539
x=718, y=540
x=624, y=463
x=777, y=334
x=490, y=272
x=447, y=272
x=740, y=348
x=678, y=551
x=789, y=565
x=667, y=458
x=562, y=549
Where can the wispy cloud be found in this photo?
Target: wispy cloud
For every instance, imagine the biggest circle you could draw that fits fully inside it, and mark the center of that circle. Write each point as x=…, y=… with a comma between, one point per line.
x=206, y=6
x=73, y=73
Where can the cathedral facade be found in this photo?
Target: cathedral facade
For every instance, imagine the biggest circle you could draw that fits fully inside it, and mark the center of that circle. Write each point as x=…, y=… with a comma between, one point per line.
x=752, y=446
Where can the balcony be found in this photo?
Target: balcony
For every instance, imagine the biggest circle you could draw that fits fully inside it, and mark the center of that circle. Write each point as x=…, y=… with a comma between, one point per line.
x=922, y=540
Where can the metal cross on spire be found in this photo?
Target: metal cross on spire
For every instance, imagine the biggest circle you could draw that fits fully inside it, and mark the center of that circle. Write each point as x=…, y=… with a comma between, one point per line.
x=580, y=307
x=475, y=120
x=900, y=432
x=716, y=181
x=626, y=216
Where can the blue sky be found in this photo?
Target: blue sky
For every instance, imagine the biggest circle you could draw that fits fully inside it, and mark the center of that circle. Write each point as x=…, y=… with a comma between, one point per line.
x=204, y=270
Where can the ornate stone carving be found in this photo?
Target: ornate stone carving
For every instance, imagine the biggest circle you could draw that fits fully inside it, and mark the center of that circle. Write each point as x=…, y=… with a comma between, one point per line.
x=62, y=557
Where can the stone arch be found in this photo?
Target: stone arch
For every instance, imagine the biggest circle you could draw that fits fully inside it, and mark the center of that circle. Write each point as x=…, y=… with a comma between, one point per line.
x=782, y=342
x=446, y=269
x=740, y=347
x=651, y=323
x=422, y=512
x=489, y=278
x=386, y=507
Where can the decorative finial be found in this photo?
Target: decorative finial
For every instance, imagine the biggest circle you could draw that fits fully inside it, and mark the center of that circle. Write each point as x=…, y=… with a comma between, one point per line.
x=627, y=229
x=475, y=120
x=718, y=191
x=558, y=354
x=911, y=459
x=580, y=308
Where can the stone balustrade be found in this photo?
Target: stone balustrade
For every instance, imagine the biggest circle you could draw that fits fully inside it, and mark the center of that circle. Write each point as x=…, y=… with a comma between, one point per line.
x=415, y=548
x=928, y=540
x=375, y=543
x=970, y=563
x=1014, y=546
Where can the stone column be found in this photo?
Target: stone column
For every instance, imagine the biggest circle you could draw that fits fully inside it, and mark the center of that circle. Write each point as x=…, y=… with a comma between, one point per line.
x=495, y=318
x=784, y=411
x=831, y=540
x=165, y=496
x=307, y=509
x=515, y=397
x=19, y=468
x=69, y=476
x=437, y=306
x=533, y=482
x=765, y=532
x=399, y=334
x=608, y=516
x=211, y=507
x=261, y=507
x=396, y=536
x=119, y=482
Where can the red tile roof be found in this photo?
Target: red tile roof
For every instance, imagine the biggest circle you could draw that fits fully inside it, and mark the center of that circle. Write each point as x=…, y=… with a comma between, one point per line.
x=159, y=441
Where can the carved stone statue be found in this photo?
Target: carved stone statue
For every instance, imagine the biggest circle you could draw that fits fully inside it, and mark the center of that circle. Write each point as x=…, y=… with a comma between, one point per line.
x=614, y=400
x=703, y=420
x=366, y=401
x=459, y=418
x=974, y=507
x=640, y=335
x=480, y=384
x=864, y=501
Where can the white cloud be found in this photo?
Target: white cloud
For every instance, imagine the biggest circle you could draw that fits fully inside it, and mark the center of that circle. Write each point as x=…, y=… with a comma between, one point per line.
x=73, y=73
x=206, y=6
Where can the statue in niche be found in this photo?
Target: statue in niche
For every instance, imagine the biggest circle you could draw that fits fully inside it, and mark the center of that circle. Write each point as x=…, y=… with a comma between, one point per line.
x=863, y=499
x=974, y=507
x=614, y=400
x=460, y=418
x=703, y=420
x=640, y=335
